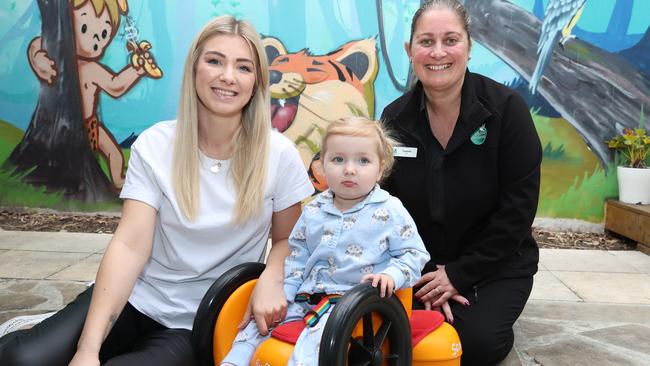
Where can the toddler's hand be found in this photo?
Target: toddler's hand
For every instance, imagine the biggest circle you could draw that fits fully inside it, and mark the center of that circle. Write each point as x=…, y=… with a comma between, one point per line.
x=387, y=283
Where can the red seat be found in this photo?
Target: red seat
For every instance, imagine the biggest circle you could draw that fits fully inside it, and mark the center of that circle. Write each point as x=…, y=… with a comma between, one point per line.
x=422, y=323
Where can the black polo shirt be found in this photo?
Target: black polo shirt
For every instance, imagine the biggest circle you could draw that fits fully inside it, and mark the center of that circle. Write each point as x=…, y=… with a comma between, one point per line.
x=473, y=202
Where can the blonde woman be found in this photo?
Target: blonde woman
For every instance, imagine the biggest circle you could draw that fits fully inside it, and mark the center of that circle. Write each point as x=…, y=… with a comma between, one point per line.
x=200, y=196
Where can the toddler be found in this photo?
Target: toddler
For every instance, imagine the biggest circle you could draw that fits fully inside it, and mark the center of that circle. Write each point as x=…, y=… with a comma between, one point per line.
x=353, y=232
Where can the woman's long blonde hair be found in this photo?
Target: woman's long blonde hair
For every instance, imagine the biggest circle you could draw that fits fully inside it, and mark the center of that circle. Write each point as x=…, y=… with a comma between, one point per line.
x=250, y=142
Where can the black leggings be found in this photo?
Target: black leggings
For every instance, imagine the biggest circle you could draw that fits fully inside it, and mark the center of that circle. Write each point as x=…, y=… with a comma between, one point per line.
x=135, y=339
x=485, y=327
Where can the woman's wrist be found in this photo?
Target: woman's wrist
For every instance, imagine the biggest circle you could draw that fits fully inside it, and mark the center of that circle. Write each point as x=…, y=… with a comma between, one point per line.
x=271, y=276
x=88, y=347
x=90, y=342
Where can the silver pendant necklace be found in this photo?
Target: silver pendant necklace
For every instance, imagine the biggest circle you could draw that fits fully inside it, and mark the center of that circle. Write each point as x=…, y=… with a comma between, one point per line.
x=215, y=167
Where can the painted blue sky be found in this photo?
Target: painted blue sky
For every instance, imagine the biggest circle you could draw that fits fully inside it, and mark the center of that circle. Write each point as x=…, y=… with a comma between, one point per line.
x=170, y=25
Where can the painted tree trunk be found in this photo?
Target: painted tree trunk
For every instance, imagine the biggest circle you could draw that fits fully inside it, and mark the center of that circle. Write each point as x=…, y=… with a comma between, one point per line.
x=598, y=92
x=55, y=151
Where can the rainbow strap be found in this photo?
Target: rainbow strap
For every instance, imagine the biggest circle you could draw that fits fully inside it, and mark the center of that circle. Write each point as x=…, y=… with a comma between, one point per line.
x=313, y=316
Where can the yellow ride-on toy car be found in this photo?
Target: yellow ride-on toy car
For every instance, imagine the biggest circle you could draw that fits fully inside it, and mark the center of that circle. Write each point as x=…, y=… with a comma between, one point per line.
x=363, y=329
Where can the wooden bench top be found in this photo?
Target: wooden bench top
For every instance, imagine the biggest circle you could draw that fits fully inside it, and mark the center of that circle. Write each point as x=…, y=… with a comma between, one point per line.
x=631, y=221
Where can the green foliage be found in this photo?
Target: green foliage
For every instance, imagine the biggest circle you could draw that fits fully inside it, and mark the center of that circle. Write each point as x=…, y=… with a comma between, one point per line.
x=553, y=154
x=103, y=164
x=312, y=145
x=355, y=111
x=15, y=192
x=633, y=145
x=10, y=136
x=5, y=150
x=585, y=199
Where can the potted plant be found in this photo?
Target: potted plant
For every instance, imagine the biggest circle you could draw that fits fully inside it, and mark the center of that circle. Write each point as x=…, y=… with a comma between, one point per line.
x=634, y=177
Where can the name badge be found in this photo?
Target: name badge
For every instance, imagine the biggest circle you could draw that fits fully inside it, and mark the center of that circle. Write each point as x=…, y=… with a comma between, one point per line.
x=405, y=152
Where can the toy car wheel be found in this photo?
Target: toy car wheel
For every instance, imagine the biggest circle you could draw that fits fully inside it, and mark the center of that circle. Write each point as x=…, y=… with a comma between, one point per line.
x=386, y=335
x=210, y=307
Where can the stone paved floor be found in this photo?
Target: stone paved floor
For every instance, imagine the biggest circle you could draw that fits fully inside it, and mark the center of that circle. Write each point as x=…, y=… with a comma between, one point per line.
x=587, y=307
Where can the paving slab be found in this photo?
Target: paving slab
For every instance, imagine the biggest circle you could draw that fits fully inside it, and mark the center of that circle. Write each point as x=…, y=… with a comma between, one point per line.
x=85, y=270
x=9, y=301
x=29, y=297
x=530, y=329
x=628, y=336
x=587, y=307
x=59, y=293
x=584, y=261
x=621, y=288
x=35, y=265
x=548, y=287
x=578, y=352
x=54, y=241
x=560, y=312
x=634, y=258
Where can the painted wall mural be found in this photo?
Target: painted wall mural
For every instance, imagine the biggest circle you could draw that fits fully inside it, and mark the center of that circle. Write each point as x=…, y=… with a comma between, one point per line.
x=80, y=79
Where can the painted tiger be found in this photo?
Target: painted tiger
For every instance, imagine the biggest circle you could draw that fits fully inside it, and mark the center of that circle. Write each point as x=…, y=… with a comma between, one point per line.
x=309, y=91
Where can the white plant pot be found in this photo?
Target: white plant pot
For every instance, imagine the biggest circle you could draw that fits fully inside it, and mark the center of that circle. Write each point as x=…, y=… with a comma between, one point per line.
x=633, y=185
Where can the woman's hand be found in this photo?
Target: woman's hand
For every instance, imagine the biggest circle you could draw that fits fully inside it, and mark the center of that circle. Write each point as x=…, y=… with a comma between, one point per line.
x=268, y=304
x=386, y=282
x=266, y=307
x=84, y=358
x=445, y=309
x=437, y=289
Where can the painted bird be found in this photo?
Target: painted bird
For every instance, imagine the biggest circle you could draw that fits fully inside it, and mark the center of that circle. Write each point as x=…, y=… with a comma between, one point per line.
x=559, y=19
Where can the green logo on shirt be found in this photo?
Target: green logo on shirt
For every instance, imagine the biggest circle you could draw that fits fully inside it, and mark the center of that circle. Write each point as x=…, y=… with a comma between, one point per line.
x=479, y=136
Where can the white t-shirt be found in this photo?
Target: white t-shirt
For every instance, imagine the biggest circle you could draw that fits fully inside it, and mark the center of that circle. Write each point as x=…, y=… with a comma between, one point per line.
x=188, y=256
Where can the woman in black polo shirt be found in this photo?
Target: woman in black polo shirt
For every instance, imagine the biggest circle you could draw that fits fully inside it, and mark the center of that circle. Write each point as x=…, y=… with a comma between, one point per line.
x=468, y=172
